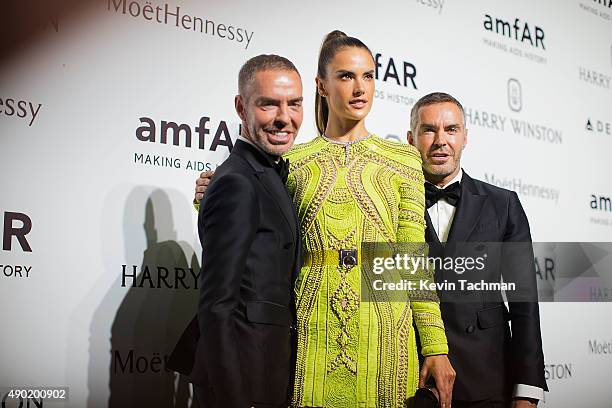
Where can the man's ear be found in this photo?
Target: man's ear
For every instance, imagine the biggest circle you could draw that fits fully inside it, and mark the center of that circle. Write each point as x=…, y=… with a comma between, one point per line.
x=410, y=137
x=465, y=139
x=240, y=108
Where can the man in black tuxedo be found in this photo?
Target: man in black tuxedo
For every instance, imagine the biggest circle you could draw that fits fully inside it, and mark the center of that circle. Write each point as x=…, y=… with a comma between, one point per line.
x=494, y=367
x=241, y=347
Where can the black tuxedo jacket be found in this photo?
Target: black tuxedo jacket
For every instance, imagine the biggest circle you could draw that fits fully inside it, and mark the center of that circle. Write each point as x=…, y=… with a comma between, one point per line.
x=239, y=350
x=490, y=359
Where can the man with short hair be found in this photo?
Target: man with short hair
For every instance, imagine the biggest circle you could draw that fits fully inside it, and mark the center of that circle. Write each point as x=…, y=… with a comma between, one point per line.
x=250, y=253
x=494, y=368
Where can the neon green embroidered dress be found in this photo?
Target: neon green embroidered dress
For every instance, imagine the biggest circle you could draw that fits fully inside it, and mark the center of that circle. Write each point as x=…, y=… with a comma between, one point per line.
x=352, y=353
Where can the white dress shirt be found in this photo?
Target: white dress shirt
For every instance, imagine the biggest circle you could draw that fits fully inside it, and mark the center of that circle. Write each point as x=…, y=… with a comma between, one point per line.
x=442, y=215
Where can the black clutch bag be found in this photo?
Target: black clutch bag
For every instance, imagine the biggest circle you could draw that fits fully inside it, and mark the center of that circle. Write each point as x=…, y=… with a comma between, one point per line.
x=424, y=398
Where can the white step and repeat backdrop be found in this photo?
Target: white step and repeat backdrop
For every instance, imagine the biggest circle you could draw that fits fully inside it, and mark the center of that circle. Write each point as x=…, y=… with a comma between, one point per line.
x=100, y=259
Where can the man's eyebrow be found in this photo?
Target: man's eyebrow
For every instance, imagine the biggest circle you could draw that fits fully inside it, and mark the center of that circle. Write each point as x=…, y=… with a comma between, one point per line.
x=264, y=100
x=298, y=99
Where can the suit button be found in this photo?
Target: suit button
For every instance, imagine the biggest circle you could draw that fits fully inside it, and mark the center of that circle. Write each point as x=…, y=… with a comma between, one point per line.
x=470, y=329
x=288, y=245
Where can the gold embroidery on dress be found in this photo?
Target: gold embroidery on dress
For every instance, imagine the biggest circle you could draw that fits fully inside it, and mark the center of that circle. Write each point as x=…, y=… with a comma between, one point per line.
x=385, y=328
x=401, y=169
x=411, y=216
x=405, y=325
x=429, y=319
x=305, y=303
x=387, y=191
x=328, y=177
x=340, y=195
x=363, y=200
x=344, y=303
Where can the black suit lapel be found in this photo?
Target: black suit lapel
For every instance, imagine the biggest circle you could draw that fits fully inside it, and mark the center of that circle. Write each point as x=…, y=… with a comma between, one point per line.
x=270, y=180
x=468, y=211
x=430, y=233
x=273, y=184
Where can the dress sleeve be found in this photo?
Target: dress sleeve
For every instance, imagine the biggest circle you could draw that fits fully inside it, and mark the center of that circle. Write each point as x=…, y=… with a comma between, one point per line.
x=411, y=228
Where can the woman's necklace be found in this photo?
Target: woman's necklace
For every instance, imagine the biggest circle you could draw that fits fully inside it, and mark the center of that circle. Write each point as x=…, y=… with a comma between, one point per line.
x=347, y=145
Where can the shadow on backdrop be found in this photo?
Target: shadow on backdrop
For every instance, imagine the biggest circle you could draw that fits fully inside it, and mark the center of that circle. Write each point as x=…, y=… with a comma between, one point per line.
x=160, y=302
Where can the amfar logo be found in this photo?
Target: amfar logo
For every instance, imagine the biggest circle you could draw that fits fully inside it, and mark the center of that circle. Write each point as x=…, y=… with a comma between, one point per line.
x=560, y=371
x=605, y=3
x=435, y=4
x=16, y=225
x=599, y=294
x=171, y=132
x=601, y=203
x=404, y=78
x=515, y=95
x=598, y=126
x=518, y=31
x=545, y=268
x=12, y=229
x=599, y=8
x=401, y=74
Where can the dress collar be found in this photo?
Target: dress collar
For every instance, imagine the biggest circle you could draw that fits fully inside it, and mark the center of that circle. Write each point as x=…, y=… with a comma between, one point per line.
x=352, y=142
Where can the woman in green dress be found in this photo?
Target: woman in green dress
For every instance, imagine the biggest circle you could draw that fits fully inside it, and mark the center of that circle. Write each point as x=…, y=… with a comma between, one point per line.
x=350, y=186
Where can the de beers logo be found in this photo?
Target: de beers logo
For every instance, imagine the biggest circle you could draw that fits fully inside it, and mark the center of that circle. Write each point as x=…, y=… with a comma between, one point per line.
x=598, y=126
x=515, y=95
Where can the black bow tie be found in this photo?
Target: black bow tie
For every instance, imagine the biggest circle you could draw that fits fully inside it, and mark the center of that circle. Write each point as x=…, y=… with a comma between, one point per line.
x=451, y=193
x=282, y=168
